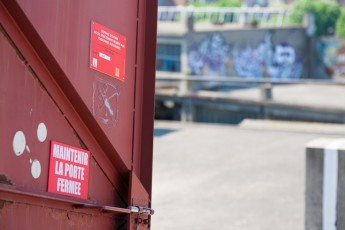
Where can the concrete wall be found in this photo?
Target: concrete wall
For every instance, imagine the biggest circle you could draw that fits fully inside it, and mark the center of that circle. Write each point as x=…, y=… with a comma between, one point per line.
x=249, y=53
x=331, y=53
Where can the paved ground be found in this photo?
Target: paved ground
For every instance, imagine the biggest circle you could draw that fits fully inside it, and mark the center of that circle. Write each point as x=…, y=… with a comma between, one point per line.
x=244, y=177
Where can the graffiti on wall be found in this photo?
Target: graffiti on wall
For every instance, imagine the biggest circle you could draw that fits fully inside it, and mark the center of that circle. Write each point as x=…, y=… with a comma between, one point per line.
x=333, y=56
x=213, y=56
x=340, y=70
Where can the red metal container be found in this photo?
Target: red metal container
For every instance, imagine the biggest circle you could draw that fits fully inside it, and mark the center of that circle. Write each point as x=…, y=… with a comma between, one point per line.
x=76, y=123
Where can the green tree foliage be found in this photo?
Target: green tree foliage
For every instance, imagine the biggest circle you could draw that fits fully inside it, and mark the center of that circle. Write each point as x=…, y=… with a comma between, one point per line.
x=326, y=13
x=220, y=3
x=229, y=3
x=326, y=16
x=340, y=27
x=300, y=8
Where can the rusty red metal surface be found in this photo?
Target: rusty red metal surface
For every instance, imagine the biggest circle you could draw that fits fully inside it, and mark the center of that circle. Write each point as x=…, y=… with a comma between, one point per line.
x=48, y=92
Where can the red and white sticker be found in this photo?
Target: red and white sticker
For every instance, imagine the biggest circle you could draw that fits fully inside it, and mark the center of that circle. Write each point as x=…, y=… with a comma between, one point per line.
x=68, y=170
x=108, y=51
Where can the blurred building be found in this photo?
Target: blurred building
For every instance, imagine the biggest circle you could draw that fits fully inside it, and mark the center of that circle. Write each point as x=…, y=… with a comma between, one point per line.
x=249, y=43
x=172, y=2
x=261, y=3
x=250, y=3
x=244, y=42
x=166, y=2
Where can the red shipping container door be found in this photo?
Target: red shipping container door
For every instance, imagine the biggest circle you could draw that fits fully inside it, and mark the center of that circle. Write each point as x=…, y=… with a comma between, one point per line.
x=77, y=104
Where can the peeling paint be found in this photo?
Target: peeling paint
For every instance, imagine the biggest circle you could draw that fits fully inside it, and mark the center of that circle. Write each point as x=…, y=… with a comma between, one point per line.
x=2, y=204
x=5, y=180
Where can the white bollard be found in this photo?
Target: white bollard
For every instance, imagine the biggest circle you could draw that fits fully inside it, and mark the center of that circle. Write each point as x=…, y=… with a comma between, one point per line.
x=325, y=184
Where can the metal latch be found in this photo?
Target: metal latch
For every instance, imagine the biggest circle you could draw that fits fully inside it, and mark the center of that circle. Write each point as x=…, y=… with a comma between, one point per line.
x=138, y=210
x=128, y=210
x=141, y=210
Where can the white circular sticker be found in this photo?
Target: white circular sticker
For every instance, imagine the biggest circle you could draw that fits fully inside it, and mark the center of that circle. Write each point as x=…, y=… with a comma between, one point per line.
x=36, y=169
x=41, y=132
x=19, y=143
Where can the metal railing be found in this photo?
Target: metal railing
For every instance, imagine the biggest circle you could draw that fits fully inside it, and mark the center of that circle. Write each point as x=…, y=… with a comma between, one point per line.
x=197, y=95
x=229, y=80
x=222, y=15
x=187, y=85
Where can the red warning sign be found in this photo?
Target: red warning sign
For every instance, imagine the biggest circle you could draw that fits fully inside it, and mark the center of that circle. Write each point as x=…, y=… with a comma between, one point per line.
x=108, y=51
x=68, y=170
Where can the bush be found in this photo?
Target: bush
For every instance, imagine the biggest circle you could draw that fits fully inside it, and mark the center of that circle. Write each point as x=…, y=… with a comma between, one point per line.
x=326, y=13
x=340, y=26
x=300, y=8
x=326, y=16
x=229, y=3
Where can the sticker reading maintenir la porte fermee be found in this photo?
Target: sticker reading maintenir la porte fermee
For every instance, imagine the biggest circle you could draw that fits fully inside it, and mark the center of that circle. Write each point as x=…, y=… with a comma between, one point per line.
x=68, y=170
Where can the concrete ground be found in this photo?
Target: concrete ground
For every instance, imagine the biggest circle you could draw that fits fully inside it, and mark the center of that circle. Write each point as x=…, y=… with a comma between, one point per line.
x=249, y=176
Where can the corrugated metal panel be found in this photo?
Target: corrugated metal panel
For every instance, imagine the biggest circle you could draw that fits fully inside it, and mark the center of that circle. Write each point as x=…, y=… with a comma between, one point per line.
x=50, y=93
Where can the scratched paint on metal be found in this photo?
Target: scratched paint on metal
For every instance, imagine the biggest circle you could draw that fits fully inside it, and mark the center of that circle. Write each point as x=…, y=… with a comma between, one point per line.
x=105, y=102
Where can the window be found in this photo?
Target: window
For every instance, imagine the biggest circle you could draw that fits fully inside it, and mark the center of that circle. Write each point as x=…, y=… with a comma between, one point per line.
x=168, y=58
